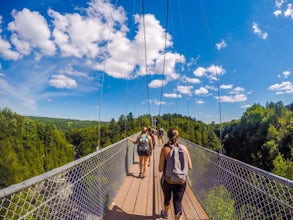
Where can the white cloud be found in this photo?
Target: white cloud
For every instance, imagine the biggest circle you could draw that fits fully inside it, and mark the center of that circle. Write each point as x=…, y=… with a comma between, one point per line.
x=289, y=11
x=212, y=72
x=172, y=95
x=190, y=80
x=157, y=102
x=5, y=48
x=285, y=74
x=29, y=27
x=200, y=102
x=221, y=45
x=157, y=83
x=281, y=10
x=258, y=31
x=277, y=13
x=233, y=98
x=230, y=86
x=282, y=88
x=201, y=91
x=279, y=3
x=237, y=90
x=184, y=89
x=6, y=52
x=199, y=72
x=62, y=81
x=245, y=106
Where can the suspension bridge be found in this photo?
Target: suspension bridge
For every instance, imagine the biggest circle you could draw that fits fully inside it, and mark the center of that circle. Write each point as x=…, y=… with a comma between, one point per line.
x=104, y=185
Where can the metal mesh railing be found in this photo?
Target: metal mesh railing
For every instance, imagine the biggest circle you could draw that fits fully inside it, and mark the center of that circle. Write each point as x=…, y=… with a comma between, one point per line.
x=82, y=189
x=230, y=189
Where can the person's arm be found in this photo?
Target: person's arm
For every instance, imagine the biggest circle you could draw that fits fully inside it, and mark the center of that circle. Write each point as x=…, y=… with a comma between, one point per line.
x=188, y=158
x=134, y=141
x=161, y=161
x=151, y=142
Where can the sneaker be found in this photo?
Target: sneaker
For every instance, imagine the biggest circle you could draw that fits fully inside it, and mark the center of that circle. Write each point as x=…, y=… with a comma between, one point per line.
x=164, y=214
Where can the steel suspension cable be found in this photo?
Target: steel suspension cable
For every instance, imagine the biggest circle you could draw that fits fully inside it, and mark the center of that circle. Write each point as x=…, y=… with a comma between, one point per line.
x=101, y=89
x=146, y=60
x=131, y=34
x=164, y=61
x=214, y=62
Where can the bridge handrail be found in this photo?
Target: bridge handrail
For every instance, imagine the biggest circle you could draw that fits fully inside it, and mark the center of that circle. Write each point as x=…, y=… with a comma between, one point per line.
x=80, y=189
x=244, y=191
x=227, y=188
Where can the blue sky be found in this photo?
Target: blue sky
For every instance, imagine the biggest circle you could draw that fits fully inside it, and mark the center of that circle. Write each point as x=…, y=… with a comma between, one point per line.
x=86, y=59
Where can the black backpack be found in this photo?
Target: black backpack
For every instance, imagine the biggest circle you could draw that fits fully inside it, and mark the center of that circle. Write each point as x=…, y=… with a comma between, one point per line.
x=143, y=144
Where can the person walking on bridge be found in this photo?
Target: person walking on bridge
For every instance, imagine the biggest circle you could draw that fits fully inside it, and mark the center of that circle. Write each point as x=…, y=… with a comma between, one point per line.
x=174, y=162
x=144, y=149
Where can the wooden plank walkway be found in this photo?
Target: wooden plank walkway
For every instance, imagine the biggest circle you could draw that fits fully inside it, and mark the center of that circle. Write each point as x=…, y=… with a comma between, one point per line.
x=142, y=199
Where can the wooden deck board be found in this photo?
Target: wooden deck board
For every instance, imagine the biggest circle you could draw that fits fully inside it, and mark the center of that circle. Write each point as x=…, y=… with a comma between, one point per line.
x=142, y=199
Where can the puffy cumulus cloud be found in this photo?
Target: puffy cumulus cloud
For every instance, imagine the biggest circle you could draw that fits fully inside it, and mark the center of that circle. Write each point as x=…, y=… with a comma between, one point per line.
x=283, y=10
x=282, y=88
x=97, y=36
x=157, y=83
x=230, y=86
x=201, y=91
x=62, y=81
x=199, y=72
x=30, y=30
x=6, y=51
x=212, y=72
x=172, y=95
x=78, y=36
x=237, y=90
x=221, y=45
x=289, y=11
x=186, y=79
x=258, y=31
x=124, y=58
x=186, y=90
x=233, y=98
x=285, y=74
x=151, y=33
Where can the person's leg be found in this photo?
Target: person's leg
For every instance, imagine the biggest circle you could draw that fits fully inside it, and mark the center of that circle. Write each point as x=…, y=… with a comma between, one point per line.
x=150, y=158
x=177, y=199
x=145, y=158
x=140, y=165
x=167, y=191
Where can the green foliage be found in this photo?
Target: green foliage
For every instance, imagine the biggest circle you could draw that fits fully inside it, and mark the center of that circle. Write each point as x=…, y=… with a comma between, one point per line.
x=260, y=136
x=30, y=148
x=219, y=204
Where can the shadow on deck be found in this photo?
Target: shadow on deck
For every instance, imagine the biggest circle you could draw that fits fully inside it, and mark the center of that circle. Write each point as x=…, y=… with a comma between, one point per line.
x=141, y=199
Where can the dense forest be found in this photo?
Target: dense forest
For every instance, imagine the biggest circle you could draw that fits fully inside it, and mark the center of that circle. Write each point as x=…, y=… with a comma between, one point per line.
x=29, y=146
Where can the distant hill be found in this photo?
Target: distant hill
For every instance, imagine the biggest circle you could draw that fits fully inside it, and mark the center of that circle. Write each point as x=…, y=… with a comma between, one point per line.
x=66, y=124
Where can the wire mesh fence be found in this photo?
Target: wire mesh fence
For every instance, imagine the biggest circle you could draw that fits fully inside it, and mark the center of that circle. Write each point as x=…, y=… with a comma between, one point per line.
x=230, y=189
x=84, y=189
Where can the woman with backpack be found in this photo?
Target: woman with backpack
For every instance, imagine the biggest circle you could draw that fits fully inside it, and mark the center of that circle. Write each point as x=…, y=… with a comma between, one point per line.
x=144, y=149
x=174, y=163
